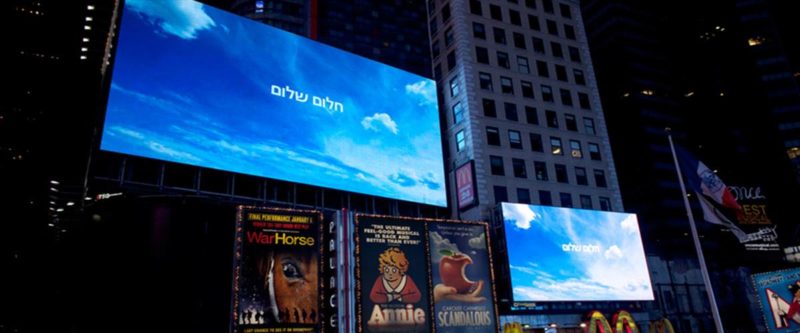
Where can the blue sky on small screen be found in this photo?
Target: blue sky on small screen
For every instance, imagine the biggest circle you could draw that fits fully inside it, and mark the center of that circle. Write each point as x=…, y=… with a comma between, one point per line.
x=196, y=85
x=565, y=254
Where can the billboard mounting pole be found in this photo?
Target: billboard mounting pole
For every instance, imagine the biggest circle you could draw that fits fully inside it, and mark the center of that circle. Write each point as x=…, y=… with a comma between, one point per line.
x=703, y=269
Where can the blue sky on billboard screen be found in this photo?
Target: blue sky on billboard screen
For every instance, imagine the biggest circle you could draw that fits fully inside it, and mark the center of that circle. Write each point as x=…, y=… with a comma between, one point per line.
x=565, y=254
x=193, y=84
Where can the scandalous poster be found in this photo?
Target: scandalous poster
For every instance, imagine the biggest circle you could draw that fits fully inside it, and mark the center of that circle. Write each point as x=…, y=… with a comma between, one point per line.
x=462, y=278
x=392, y=275
x=779, y=295
x=276, y=271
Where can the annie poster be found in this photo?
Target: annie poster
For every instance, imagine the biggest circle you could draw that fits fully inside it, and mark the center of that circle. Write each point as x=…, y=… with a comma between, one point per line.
x=461, y=277
x=779, y=295
x=276, y=271
x=392, y=275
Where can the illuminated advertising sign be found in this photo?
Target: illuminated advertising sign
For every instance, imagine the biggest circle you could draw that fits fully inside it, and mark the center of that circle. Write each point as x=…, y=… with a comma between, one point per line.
x=465, y=185
x=415, y=275
x=564, y=254
x=779, y=295
x=277, y=271
x=196, y=85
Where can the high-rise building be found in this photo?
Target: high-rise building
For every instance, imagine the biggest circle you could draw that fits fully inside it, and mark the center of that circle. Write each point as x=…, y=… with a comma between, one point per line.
x=520, y=99
x=522, y=113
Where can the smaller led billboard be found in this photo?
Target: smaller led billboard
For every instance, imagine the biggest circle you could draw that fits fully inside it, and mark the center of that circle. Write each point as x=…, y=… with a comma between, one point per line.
x=565, y=254
x=197, y=85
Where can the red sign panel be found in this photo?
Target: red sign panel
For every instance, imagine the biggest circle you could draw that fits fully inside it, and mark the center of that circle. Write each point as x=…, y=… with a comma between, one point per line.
x=465, y=185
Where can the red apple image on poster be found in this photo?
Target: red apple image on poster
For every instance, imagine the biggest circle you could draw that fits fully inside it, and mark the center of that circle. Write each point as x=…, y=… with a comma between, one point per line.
x=452, y=270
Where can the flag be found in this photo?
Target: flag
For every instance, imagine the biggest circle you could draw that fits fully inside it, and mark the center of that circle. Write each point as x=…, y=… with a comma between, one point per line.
x=715, y=197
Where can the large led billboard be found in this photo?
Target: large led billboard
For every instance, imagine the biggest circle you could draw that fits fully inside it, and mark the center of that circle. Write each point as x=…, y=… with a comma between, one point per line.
x=196, y=85
x=565, y=254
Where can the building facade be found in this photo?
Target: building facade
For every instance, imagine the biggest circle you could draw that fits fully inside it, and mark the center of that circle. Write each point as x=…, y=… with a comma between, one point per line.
x=520, y=100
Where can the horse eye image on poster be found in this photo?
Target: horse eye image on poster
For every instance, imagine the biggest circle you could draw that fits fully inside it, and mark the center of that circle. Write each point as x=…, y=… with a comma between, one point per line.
x=196, y=85
x=276, y=271
x=564, y=254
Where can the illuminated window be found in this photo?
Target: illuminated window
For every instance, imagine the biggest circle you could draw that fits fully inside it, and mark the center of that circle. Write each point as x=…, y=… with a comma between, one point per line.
x=555, y=146
x=754, y=41
x=506, y=85
x=647, y=92
x=458, y=112
x=514, y=139
x=522, y=65
x=455, y=87
x=594, y=152
x=575, y=149
x=461, y=141
x=588, y=126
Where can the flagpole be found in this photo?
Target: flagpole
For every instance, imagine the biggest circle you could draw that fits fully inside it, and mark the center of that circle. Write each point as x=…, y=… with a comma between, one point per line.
x=703, y=269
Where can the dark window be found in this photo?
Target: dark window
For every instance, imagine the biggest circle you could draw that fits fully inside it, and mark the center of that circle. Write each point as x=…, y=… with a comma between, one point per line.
x=561, y=73
x=446, y=12
x=580, y=176
x=565, y=10
x=600, y=178
x=530, y=4
x=455, y=87
x=533, y=22
x=531, y=115
x=434, y=26
x=545, y=198
x=541, y=69
x=547, y=93
x=478, y=30
x=583, y=100
x=547, y=5
x=594, y=152
x=536, y=142
x=519, y=40
x=492, y=136
x=586, y=202
x=448, y=37
x=500, y=194
x=579, y=77
x=552, y=118
x=522, y=65
x=570, y=122
x=538, y=45
x=523, y=196
x=575, y=149
x=566, y=199
x=482, y=55
x=437, y=72
x=461, y=141
x=514, y=139
x=474, y=7
x=495, y=12
x=556, y=50
x=458, y=112
x=569, y=31
x=566, y=97
x=552, y=27
x=519, y=168
x=561, y=174
x=485, y=81
x=514, y=17
x=497, y=165
x=511, y=111
x=574, y=54
x=506, y=86
x=431, y=7
x=499, y=36
x=540, y=168
x=527, y=89
x=588, y=126
x=451, y=60
x=555, y=146
x=489, y=109
x=605, y=204
x=502, y=60
x=435, y=48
